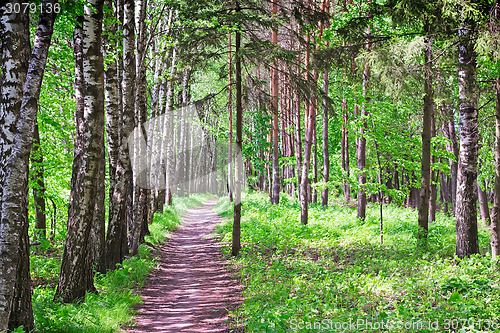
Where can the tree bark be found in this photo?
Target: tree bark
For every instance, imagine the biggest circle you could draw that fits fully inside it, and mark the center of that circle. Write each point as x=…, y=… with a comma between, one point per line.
x=168, y=143
x=451, y=147
x=483, y=205
x=466, y=209
x=344, y=151
x=298, y=136
x=236, y=235
x=361, y=151
x=304, y=214
x=434, y=177
x=326, y=154
x=15, y=282
x=495, y=221
x=111, y=96
x=77, y=275
x=116, y=239
x=423, y=209
x=38, y=186
x=230, y=183
x=141, y=178
x=21, y=82
x=274, y=110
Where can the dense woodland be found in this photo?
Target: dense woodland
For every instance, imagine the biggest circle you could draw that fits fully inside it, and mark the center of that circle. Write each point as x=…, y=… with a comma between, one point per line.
x=111, y=109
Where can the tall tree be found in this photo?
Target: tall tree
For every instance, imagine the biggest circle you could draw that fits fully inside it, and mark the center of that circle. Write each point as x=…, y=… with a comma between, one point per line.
x=230, y=183
x=116, y=238
x=77, y=275
x=236, y=241
x=274, y=109
x=495, y=220
x=361, y=144
x=140, y=222
x=326, y=153
x=423, y=209
x=451, y=147
x=466, y=208
x=21, y=82
x=113, y=107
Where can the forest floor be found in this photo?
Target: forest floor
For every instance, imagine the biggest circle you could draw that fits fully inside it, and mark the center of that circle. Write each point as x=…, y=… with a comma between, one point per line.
x=192, y=290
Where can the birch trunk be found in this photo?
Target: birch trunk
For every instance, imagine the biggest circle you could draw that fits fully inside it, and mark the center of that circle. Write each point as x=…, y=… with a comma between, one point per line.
x=15, y=280
x=18, y=110
x=111, y=97
x=466, y=208
x=116, y=240
x=77, y=275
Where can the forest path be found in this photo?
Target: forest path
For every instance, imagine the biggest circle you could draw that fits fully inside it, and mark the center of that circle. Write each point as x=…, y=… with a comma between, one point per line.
x=192, y=289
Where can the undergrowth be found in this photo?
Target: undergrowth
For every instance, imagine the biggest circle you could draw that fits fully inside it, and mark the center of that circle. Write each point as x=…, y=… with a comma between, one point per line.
x=334, y=275
x=112, y=307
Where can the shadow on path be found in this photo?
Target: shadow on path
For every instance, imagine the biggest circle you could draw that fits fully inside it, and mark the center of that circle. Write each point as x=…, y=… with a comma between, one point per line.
x=192, y=289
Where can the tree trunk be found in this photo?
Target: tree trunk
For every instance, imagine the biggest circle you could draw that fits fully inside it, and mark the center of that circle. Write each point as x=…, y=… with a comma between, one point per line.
x=451, y=147
x=117, y=240
x=423, y=209
x=466, y=209
x=19, y=106
x=230, y=183
x=38, y=186
x=98, y=231
x=344, y=151
x=15, y=282
x=168, y=138
x=141, y=177
x=77, y=275
x=361, y=151
x=434, y=177
x=304, y=214
x=326, y=155
x=274, y=110
x=315, y=164
x=495, y=221
x=483, y=205
x=236, y=236
x=298, y=136
x=112, y=104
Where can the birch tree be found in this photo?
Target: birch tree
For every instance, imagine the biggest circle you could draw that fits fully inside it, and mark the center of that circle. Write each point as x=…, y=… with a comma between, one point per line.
x=116, y=238
x=77, y=274
x=21, y=82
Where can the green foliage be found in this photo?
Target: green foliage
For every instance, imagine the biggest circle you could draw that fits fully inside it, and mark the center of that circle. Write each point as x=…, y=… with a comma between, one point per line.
x=335, y=269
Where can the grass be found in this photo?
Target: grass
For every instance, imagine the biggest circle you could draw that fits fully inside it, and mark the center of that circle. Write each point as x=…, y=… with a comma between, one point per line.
x=112, y=307
x=334, y=275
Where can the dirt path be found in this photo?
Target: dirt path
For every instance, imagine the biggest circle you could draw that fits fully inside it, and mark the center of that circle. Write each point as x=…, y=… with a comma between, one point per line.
x=192, y=289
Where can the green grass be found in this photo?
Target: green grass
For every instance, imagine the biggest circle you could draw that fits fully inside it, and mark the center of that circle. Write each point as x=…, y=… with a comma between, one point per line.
x=334, y=271
x=112, y=307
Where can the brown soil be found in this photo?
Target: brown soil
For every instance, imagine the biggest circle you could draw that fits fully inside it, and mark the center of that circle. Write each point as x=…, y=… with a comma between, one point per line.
x=192, y=290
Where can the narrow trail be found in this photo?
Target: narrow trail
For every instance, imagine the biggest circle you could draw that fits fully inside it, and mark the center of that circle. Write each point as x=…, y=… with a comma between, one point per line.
x=192, y=289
